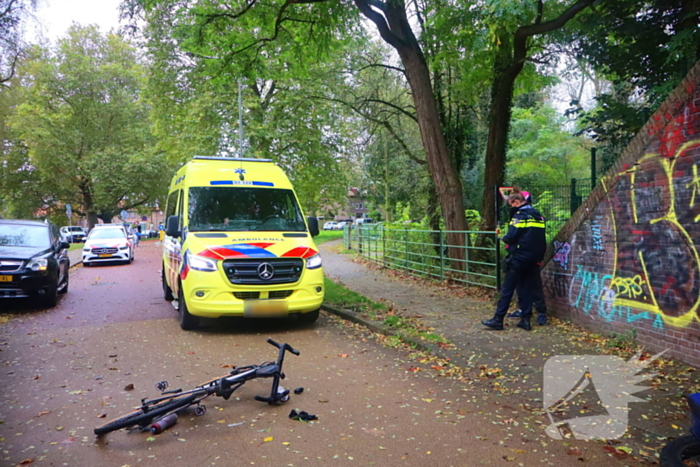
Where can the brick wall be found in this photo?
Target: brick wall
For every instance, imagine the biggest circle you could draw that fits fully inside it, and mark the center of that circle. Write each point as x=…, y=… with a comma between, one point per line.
x=629, y=258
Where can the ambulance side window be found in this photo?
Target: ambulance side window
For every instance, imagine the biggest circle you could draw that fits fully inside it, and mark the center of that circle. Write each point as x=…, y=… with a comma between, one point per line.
x=171, y=205
x=180, y=210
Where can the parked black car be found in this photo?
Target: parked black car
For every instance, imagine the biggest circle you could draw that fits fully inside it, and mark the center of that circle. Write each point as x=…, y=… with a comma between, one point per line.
x=33, y=261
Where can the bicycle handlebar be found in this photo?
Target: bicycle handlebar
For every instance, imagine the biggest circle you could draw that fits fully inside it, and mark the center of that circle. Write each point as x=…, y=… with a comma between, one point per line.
x=283, y=346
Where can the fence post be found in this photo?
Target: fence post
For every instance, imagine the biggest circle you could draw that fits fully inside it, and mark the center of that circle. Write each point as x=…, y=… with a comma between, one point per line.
x=406, y=238
x=466, y=254
x=573, y=197
x=383, y=234
x=442, y=257
x=593, y=167
x=360, y=239
x=498, y=261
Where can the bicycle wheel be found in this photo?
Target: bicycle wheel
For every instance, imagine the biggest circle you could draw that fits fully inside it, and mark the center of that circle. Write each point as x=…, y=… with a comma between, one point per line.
x=139, y=417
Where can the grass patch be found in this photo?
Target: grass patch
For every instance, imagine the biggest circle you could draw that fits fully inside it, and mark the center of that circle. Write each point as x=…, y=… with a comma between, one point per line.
x=327, y=235
x=339, y=297
x=76, y=246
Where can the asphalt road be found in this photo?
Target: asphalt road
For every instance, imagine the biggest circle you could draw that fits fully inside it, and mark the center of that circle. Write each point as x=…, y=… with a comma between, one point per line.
x=66, y=370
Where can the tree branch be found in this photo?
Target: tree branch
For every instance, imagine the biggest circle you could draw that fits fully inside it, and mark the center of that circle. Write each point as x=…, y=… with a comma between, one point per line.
x=556, y=23
x=379, y=20
x=381, y=65
x=525, y=32
x=394, y=106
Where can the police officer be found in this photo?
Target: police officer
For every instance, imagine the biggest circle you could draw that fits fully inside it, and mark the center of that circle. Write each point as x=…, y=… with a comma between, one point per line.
x=526, y=247
x=537, y=289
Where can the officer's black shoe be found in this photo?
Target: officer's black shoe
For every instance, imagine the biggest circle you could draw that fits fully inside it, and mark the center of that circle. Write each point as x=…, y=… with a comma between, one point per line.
x=541, y=319
x=516, y=314
x=493, y=323
x=525, y=324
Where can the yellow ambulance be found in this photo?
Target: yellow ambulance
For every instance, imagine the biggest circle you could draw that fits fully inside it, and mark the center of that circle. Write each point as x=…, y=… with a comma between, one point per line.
x=237, y=244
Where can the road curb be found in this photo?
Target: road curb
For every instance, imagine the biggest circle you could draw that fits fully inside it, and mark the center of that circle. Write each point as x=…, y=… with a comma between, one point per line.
x=378, y=327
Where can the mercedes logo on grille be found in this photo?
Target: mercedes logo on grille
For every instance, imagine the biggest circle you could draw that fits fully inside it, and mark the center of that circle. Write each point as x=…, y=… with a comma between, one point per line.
x=266, y=271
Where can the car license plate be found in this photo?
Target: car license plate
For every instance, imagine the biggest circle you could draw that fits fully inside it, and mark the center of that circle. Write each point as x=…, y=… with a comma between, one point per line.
x=105, y=255
x=5, y=278
x=265, y=309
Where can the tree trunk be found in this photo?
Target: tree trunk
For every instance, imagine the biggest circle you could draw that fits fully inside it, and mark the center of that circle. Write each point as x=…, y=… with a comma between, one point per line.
x=395, y=29
x=505, y=72
x=510, y=58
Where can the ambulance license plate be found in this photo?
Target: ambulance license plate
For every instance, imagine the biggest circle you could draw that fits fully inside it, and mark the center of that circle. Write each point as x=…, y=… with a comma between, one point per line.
x=265, y=308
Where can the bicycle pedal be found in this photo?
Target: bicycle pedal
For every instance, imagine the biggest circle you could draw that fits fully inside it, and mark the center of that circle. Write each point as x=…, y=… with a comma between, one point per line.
x=162, y=386
x=200, y=410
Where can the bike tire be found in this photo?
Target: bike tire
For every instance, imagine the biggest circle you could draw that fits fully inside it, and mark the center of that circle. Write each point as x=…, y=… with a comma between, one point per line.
x=675, y=453
x=139, y=417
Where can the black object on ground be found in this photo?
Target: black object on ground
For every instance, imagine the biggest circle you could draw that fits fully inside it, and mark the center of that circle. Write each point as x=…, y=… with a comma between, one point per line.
x=298, y=390
x=302, y=416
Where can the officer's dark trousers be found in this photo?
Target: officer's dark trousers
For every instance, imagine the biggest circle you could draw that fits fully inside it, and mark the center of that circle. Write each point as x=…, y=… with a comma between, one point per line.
x=524, y=279
x=537, y=294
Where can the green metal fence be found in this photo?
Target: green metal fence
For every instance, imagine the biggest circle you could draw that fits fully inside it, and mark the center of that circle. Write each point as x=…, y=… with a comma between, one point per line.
x=426, y=253
x=556, y=202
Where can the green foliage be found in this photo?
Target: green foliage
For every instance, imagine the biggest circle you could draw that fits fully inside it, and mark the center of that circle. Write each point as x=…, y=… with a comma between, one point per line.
x=644, y=48
x=85, y=129
x=541, y=152
x=626, y=341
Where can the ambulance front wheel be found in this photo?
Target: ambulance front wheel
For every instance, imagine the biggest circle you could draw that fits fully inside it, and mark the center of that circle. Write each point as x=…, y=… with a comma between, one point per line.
x=187, y=321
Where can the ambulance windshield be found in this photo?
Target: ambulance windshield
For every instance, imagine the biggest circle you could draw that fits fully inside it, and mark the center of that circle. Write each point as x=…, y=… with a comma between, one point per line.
x=237, y=209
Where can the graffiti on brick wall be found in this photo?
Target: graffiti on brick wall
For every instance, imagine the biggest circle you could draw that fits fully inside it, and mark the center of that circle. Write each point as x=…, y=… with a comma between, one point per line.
x=561, y=254
x=637, y=257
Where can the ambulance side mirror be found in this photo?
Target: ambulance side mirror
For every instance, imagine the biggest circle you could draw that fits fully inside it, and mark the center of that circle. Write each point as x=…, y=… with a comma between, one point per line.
x=313, y=225
x=171, y=227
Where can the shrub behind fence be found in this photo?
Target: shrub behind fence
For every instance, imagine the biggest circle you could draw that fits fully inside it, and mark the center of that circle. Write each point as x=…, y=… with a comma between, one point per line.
x=426, y=253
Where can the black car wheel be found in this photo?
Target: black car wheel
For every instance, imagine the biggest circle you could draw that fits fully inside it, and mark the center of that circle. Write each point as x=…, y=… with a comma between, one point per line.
x=65, y=284
x=50, y=299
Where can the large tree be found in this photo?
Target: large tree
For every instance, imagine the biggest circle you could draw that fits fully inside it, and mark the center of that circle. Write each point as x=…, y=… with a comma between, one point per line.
x=292, y=34
x=516, y=43
x=86, y=128
x=12, y=15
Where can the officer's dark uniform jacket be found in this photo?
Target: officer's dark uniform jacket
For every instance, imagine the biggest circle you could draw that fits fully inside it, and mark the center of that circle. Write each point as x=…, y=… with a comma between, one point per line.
x=525, y=240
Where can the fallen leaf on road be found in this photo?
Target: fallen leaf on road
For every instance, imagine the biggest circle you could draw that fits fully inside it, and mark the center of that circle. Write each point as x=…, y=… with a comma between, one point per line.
x=573, y=451
x=129, y=387
x=268, y=439
x=45, y=412
x=343, y=355
x=26, y=462
x=102, y=415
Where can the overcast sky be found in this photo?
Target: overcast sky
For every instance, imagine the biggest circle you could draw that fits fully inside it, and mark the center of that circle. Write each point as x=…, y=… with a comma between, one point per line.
x=55, y=16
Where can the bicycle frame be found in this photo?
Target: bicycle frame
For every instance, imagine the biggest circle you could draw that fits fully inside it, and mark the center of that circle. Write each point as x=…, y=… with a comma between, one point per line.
x=226, y=385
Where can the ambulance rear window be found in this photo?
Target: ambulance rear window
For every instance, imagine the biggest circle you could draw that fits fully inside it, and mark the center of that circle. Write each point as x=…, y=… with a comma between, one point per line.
x=239, y=209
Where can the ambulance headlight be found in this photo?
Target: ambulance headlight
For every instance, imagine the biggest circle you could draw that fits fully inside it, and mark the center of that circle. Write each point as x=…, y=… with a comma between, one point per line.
x=314, y=262
x=199, y=263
